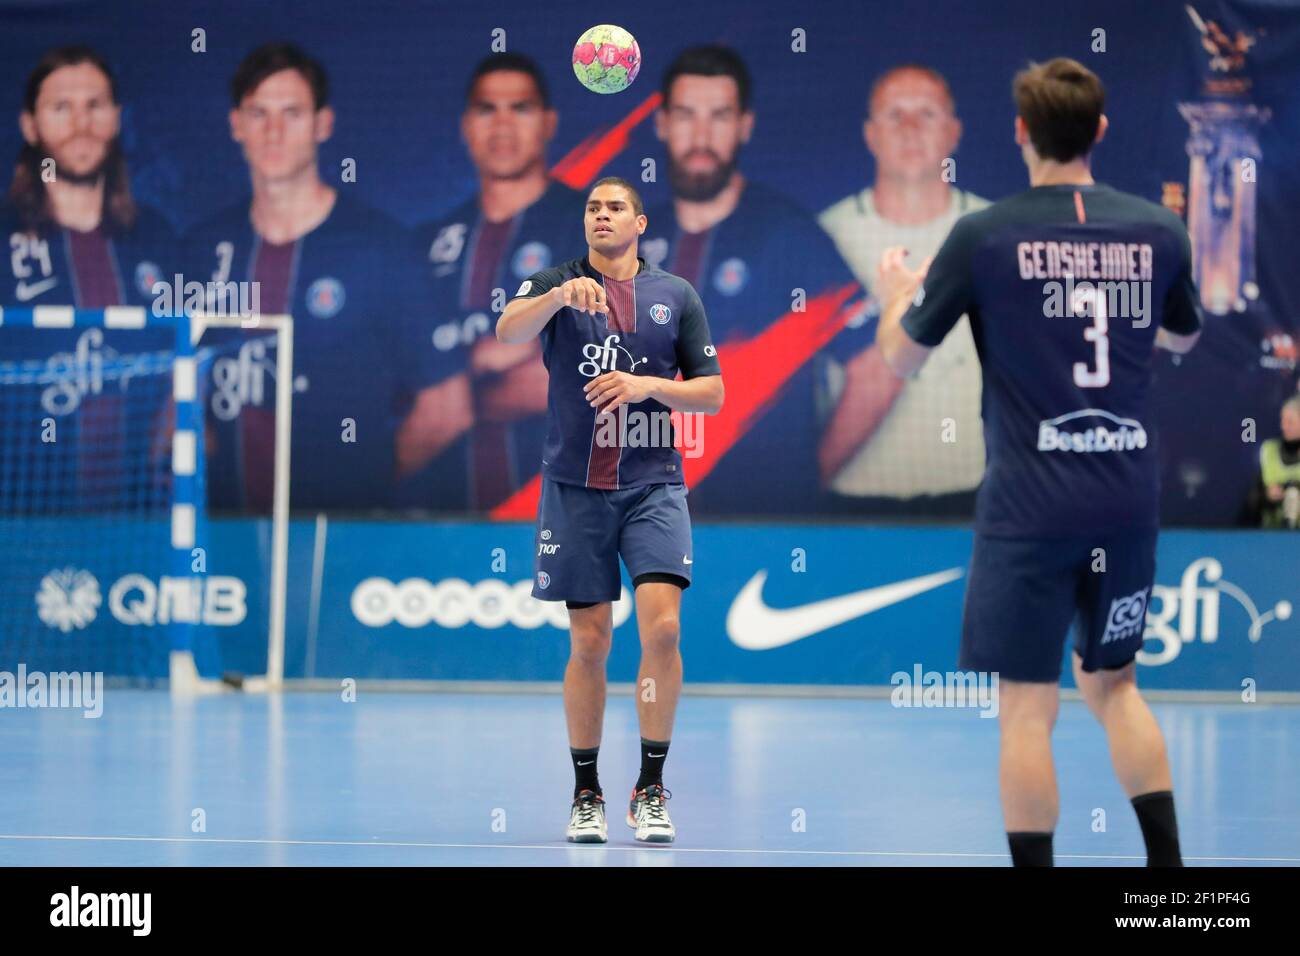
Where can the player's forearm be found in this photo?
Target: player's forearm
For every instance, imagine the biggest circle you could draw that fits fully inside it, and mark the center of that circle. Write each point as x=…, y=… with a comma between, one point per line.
x=901, y=354
x=516, y=393
x=870, y=388
x=524, y=318
x=704, y=394
x=440, y=415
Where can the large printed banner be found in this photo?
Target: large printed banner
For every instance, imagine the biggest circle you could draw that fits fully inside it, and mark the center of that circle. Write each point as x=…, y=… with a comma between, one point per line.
x=770, y=605
x=439, y=195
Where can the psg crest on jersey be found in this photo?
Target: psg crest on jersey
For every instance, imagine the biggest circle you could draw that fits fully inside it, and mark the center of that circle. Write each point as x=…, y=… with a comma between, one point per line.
x=529, y=258
x=147, y=274
x=325, y=297
x=731, y=276
x=543, y=580
x=660, y=313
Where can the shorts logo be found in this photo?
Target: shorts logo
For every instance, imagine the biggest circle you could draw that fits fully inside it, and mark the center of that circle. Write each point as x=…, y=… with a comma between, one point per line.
x=543, y=580
x=731, y=276
x=325, y=297
x=524, y=289
x=1127, y=618
x=146, y=274
x=531, y=257
x=546, y=534
x=660, y=313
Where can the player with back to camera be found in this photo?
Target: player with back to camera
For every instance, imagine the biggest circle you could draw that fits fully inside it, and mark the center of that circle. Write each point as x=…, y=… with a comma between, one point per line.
x=1066, y=516
x=615, y=333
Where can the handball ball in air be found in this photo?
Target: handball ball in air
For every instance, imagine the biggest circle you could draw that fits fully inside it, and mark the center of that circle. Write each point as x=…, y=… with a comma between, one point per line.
x=606, y=59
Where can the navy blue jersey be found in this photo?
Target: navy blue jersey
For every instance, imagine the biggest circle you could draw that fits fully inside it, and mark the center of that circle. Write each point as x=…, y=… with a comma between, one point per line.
x=749, y=266
x=1066, y=287
x=359, y=299
x=469, y=260
x=106, y=391
x=655, y=326
x=40, y=269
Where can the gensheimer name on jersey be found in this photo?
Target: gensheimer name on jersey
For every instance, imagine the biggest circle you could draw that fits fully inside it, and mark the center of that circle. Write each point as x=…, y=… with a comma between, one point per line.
x=656, y=326
x=1067, y=374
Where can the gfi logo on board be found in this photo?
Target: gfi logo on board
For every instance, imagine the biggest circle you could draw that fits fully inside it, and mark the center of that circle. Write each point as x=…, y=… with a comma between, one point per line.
x=453, y=602
x=69, y=598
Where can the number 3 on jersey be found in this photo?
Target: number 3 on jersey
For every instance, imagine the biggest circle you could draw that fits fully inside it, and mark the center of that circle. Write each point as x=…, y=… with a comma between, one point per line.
x=1088, y=301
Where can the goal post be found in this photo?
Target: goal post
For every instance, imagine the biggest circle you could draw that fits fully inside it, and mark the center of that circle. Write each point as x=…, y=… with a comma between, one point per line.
x=91, y=402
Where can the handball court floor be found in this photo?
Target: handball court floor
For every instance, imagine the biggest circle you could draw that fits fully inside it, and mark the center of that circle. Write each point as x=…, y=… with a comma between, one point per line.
x=399, y=778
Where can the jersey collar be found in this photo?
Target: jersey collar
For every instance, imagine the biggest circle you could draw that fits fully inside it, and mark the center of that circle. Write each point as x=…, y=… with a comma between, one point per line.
x=591, y=272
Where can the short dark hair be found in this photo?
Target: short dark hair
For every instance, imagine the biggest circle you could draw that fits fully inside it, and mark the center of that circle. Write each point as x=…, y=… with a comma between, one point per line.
x=510, y=63
x=711, y=60
x=269, y=59
x=1061, y=102
x=637, y=205
x=57, y=59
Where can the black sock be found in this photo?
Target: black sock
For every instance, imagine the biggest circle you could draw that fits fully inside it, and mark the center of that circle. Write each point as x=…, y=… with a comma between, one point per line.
x=584, y=770
x=653, y=755
x=1030, y=849
x=1155, y=813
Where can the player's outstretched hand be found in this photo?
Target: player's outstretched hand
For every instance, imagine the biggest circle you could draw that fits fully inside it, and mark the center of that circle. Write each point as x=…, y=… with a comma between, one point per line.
x=606, y=392
x=584, y=294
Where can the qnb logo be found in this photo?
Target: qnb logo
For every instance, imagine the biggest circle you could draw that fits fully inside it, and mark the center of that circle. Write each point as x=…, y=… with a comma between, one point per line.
x=604, y=358
x=1127, y=617
x=70, y=599
x=241, y=380
x=1067, y=433
x=454, y=603
x=1191, y=611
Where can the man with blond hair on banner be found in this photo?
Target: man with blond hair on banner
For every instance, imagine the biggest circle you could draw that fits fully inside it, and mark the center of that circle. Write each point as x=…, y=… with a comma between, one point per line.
x=887, y=440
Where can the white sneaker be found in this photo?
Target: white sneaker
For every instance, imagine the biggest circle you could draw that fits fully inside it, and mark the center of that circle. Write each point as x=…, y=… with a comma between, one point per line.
x=587, y=820
x=648, y=815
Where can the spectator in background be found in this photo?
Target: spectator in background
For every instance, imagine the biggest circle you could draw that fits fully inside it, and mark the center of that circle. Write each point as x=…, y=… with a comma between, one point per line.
x=1275, y=500
x=745, y=248
x=485, y=247
x=885, y=440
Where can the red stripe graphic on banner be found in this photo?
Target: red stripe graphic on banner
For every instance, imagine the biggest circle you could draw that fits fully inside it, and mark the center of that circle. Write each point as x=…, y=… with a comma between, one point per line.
x=754, y=371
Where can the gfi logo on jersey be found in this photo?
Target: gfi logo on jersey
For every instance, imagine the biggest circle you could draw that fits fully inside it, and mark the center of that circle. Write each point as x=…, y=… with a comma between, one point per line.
x=1127, y=618
x=1121, y=434
x=454, y=603
x=69, y=599
x=604, y=358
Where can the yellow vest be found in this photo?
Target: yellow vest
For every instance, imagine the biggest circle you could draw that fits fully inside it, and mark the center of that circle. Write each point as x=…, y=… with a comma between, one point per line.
x=1274, y=471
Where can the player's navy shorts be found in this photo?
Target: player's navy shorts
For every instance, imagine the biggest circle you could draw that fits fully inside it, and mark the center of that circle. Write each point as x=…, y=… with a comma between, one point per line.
x=1024, y=593
x=582, y=531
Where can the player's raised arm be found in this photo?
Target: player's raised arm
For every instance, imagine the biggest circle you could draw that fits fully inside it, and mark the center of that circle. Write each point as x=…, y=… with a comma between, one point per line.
x=540, y=297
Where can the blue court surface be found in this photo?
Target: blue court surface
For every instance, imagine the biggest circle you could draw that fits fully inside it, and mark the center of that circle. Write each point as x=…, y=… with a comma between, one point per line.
x=485, y=780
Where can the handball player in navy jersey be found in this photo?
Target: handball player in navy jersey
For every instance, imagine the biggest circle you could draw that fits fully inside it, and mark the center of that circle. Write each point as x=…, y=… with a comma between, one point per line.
x=615, y=333
x=1070, y=287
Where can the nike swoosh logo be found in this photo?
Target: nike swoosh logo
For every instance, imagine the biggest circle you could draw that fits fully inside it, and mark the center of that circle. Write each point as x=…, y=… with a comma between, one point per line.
x=654, y=755
x=754, y=626
x=25, y=293
x=587, y=764
x=686, y=559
